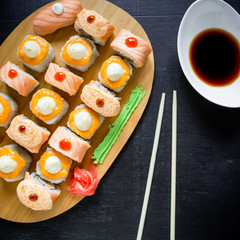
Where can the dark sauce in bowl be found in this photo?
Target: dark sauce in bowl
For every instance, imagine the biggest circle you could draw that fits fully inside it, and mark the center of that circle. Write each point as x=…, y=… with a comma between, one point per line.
x=215, y=57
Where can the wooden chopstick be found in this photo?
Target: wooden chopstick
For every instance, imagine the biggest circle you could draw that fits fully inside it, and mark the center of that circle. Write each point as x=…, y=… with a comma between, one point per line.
x=174, y=160
x=151, y=168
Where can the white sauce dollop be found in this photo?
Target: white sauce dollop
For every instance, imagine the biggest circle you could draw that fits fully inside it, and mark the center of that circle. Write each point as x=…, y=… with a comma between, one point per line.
x=31, y=49
x=114, y=71
x=57, y=8
x=77, y=51
x=1, y=108
x=83, y=121
x=7, y=165
x=46, y=105
x=53, y=165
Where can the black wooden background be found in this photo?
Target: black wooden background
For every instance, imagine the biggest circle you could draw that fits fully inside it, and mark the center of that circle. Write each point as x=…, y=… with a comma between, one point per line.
x=208, y=167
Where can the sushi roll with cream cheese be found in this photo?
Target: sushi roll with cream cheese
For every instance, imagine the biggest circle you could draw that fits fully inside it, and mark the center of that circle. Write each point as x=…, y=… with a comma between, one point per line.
x=14, y=162
x=48, y=106
x=79, y=53
x=53, y=166
x=8, y=109
x=35, y=53
x=84, y=121
x=115, y=73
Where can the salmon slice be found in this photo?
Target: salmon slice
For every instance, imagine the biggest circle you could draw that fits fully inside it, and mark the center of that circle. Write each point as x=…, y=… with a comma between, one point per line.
x=70, y=83
x=46, y=21
x=137, y=54
x=35, y=194
x=17, y=79
x=27, y=133
x=91, y=24
x=74, y=148
x=93, y=93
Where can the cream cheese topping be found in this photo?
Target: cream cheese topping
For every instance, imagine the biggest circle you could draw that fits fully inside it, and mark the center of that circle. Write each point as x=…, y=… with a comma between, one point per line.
x=46, y=105
x=114, y=71
x=53, y=165
x=77, y=51
x=57, y=8
x=31, y=49
x=83, y=121
x=7, y=165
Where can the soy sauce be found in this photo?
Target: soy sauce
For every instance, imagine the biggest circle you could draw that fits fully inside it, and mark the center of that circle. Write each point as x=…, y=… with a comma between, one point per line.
x=215, y=57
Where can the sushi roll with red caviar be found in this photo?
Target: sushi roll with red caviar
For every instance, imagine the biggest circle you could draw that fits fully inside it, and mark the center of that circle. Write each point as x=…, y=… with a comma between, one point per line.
x=35, y=53
x=63, y=79
x=27, y=133
x=48, y=106
x=17, y=79
x=8, y=109
x=115, y=73
x=37, y=194
x=84, y=121
x=68, y=143
x=53, y=166
x=14, y=162
x=131, y=47
x=79, y=53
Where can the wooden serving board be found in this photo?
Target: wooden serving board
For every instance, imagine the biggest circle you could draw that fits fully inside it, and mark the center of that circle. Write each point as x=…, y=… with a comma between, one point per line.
x=11, y=207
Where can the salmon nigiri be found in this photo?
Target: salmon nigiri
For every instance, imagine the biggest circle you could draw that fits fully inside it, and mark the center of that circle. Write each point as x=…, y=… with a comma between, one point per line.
x=17, y=79
x=36, y=193
x=27, y=133
x=68, y=143
x=63, y=79
x=132, y=47
x=55, y=16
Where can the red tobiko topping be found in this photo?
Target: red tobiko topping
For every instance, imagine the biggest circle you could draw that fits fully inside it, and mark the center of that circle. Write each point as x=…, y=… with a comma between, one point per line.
x=84, y=182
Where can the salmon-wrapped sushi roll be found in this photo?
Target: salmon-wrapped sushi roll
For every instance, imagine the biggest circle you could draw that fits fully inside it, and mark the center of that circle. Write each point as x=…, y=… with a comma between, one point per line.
x=37, y=194
x=132, y=47
x=55, y=16
x=79, y=53
x=100, y=99
x=115, y=73
x=27, y=133
x=14, y=162
x=35, y=53
x=48, y=106
x=63, y=79
x=17, y=79
x=68, y=143
x=84, y=121
x=8, y=109
x=92, y=25
x=53, y=166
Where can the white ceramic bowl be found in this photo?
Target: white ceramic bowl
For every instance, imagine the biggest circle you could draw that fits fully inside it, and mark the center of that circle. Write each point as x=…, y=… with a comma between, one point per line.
x=201, y=15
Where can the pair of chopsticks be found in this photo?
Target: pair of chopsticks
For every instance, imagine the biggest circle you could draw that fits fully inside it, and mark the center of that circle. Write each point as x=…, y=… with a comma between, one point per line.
x=152, y=165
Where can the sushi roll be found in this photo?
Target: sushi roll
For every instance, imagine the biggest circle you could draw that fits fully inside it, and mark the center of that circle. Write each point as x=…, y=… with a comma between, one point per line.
x=69, y=144
x=55, y=16
x=132, y=47
x=35, y=53
x=63, y=79
x=115, y=73
x=48, y=106
x=92, y=25
x=14, y=162
x=53, y=166
x=84, y=121
x=100, y=99
x=8, y=109
x=17, y=79
x=79, y=53
x=27, y=133
x=37, y=194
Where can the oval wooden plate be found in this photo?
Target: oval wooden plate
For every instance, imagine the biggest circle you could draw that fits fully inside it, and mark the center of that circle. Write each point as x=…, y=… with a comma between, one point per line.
x=11, y=207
